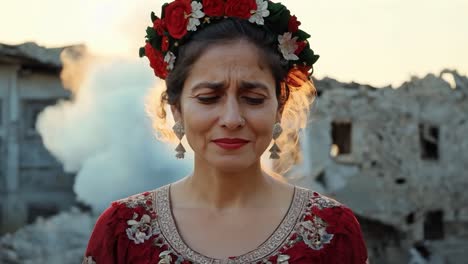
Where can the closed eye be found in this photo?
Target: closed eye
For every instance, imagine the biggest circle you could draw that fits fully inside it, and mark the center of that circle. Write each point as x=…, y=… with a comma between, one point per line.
x=253, y=100
x=208, y=99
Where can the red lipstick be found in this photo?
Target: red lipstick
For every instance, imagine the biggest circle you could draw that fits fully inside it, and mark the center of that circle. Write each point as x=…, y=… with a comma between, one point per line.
x=230, y=143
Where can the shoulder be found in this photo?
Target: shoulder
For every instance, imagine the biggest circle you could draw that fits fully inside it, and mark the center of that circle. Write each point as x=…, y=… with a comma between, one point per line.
x=129, y=208
x=330, y=226
x=338, y=217
x=133, y=216
x=135, y=206
x=126, y=223
x=325, y=207
x=141, y=202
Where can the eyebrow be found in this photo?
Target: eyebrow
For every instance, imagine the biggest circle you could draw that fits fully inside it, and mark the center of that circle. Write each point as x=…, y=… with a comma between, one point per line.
x=254, y=85
x=244, y=85
x=209, y=85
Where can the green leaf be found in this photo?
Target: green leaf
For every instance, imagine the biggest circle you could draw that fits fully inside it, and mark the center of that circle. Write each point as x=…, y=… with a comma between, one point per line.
x=315, y=59
x=150, y=33
x=308, y=56
x=156, y=42
x=172, y=42
x=278, y=19
x=275, y=7
x=153, y=17
x=302, y=35
x=141, y=52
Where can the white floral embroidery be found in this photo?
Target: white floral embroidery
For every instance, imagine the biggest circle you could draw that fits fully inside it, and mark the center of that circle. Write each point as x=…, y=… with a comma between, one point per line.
x=170, y=59
x=194, y=17
x=139, y=231
x=314, y=233
x=136, y=201
x=288, y=45
x=88, y=260
x=322, y=202
x=164, y=257
x=283, y=259
x=261, y=12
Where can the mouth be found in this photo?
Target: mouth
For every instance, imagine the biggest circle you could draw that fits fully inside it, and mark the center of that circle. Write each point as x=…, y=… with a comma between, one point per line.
x=230, y=143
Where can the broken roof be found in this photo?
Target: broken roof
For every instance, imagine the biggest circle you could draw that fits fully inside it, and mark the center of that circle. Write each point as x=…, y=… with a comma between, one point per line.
x=31, y=54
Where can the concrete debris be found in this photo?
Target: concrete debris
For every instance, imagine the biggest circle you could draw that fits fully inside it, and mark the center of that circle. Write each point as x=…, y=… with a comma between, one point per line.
x=397, y=156
x=60, y=239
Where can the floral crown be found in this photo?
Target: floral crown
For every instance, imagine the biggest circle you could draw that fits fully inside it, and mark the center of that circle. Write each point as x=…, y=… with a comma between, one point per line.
x=182, y=18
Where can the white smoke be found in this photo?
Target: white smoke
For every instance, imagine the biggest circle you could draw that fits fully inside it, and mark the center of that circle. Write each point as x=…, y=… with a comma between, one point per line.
x=104, y=134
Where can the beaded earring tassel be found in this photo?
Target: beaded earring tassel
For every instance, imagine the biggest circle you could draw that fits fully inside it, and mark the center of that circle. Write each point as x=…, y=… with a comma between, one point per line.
x=275, y=150
x=179, y=131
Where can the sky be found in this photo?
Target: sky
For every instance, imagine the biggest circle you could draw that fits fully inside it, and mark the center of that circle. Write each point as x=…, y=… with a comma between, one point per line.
x=376, y=42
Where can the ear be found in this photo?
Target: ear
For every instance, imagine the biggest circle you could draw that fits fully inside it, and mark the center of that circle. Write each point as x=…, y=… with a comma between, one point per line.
x=176, y=113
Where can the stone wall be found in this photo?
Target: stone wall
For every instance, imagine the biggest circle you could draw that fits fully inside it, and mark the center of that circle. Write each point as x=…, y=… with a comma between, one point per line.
x=397, y=157
x=32, y=182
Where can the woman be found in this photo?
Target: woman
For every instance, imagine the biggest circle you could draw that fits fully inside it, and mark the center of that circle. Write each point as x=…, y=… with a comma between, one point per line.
x=237, y=76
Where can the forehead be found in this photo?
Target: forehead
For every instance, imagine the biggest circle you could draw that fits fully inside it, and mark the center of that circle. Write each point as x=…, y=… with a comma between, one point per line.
x=227, y=62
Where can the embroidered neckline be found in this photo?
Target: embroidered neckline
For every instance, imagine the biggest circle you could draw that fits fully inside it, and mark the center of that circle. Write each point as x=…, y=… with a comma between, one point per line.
x=267, y=248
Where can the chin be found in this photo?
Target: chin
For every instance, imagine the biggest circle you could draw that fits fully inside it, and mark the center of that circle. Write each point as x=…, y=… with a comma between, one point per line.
x=232, y=163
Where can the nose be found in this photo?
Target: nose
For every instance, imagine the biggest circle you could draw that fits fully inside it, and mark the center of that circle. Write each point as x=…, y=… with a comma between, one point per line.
x=231, y=114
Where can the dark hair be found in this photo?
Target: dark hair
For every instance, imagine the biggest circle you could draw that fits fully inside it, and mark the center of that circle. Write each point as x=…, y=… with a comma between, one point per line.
x=225, y=31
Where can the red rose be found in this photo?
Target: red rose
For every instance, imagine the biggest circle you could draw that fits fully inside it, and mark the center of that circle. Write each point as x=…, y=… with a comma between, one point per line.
x=175, y=16
x=300, y=47
x=293, y=24
x=159, y=26
x=156, y=61
x=165, y=43
x=213, y=7
x=240, y=8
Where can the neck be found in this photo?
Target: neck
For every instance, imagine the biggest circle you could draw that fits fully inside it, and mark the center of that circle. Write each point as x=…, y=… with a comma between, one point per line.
x=215, y=189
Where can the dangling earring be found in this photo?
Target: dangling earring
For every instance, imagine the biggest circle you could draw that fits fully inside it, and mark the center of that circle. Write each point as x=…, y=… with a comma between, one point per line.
x=179, y=132
x=277, y=130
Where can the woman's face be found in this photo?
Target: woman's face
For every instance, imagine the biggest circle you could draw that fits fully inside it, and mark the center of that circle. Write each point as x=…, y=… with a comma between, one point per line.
x=228, y=106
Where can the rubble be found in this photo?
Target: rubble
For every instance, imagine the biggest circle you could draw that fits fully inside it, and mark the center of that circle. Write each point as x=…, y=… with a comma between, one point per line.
x=60, y=239
x=396, y=156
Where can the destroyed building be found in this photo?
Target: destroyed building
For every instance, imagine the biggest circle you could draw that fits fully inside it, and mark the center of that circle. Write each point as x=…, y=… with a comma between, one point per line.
x=32, y=182
x=399, y=159
x=396, y=156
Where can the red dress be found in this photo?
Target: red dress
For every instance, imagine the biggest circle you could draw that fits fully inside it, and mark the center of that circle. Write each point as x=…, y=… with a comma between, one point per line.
x=141, y=229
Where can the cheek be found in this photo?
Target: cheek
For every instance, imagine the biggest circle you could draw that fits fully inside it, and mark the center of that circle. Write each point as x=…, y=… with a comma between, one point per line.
x=197, y=120
x=262, y=123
